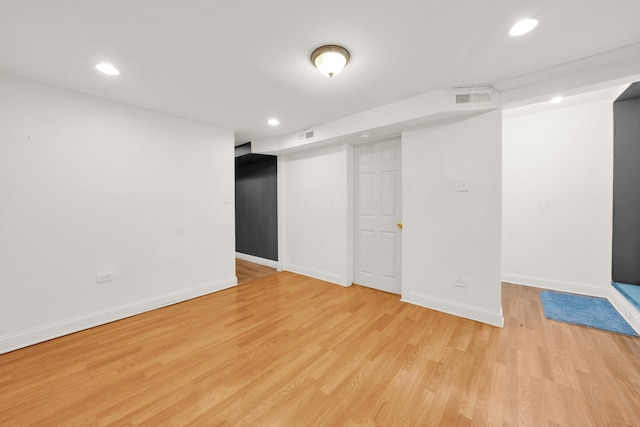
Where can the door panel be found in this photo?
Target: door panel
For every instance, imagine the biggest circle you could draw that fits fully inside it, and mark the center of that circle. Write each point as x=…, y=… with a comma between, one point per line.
x=388, y=193
x=366, y=260
x=388, y=259
x=366, y=199
x=378, y=206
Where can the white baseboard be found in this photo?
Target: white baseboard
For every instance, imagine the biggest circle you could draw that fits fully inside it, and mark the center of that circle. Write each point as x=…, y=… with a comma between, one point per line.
x=625, y=308
x=54, y=330
x=257, y=260
x=557, y=285
x=316, y=274
x=457, y=309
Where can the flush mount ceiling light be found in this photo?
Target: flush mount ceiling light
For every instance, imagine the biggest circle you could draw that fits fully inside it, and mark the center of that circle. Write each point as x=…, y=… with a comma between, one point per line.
x=523, y=27
x=107, y=69
x=330, y=59
x=273, y=122
x=556, y=99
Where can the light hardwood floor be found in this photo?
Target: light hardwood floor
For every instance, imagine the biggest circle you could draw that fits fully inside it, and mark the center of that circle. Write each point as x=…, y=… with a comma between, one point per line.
x=286, y=350
x=246, y=271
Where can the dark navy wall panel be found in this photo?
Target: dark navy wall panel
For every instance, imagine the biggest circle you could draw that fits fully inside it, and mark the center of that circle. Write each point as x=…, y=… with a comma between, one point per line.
x=257, y=206
x=626, y=188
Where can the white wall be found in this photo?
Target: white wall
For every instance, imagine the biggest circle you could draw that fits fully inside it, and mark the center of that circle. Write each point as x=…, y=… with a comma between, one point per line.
x=447, y=233
x=557, y=195
x=90, y=186
x=316, y=213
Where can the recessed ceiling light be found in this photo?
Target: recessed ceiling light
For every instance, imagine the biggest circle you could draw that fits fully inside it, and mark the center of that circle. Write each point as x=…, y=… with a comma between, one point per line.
x=107, y=69
x=523, y=27
x=556, y=99
x=273, y=122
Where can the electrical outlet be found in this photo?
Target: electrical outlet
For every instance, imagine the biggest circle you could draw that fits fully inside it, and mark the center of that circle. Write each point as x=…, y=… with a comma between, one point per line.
x=460, y=282
x=461, y=185
x=108, y=276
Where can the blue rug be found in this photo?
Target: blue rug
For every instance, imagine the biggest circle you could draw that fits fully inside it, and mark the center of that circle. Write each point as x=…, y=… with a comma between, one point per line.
x=587, y=311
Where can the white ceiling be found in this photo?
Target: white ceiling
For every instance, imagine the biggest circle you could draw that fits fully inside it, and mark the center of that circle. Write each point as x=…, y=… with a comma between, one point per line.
x=236, y=63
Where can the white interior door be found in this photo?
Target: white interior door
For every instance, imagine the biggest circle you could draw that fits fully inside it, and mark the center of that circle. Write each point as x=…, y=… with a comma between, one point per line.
x=378, y=204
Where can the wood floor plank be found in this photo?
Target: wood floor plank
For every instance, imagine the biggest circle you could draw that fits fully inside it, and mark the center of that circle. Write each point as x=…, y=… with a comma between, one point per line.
x=284, y=349
x=247, y=271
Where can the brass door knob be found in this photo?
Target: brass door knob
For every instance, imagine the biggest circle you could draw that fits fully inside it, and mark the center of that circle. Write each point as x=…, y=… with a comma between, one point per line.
x=399, y=225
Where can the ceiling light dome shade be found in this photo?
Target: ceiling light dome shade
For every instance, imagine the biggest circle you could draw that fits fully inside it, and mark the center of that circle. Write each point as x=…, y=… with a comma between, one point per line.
x=330, y=59
x=107, y=69
x=523, y=27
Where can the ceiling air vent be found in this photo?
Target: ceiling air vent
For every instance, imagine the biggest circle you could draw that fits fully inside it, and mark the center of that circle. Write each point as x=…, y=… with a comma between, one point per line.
x=471, y=97
x=307, y=135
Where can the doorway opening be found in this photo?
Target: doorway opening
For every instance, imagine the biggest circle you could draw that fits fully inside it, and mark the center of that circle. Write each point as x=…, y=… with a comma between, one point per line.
x=256, y=211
